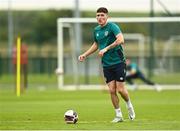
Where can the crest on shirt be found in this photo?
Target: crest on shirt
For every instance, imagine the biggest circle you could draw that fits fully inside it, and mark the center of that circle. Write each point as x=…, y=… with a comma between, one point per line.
x=97, y=34
x=106, y=33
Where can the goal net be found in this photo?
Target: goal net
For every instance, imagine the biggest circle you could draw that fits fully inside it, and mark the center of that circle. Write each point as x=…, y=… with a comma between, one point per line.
x=147, y=41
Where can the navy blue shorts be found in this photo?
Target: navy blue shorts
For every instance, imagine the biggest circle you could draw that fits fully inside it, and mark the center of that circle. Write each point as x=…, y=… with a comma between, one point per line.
x=116, y=72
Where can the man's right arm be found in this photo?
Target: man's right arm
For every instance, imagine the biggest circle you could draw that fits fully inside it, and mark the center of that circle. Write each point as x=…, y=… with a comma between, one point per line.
x=91, y=50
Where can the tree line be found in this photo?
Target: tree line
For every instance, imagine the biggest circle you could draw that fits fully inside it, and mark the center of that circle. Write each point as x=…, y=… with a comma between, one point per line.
x=39, y=27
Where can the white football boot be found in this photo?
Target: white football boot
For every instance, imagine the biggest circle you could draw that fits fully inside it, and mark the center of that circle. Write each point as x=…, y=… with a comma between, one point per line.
x=131, y=112
x=117, y=119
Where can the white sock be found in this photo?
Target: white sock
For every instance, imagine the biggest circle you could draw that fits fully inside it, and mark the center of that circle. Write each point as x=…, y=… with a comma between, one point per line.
x=129, y=104
x=118, y=112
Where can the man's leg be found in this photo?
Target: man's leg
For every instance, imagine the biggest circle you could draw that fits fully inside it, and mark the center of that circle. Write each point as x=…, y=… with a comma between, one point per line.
x=141, y=76
x=124, y=94
x=115, y=101
x=148, y=82
x=112, y=91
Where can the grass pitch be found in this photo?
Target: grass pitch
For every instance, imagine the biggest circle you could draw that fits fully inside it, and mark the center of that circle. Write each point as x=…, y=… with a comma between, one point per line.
x=44, y=110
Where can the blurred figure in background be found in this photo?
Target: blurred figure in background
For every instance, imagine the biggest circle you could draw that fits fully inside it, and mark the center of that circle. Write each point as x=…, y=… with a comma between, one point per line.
x=24, y=64
x=133, y=72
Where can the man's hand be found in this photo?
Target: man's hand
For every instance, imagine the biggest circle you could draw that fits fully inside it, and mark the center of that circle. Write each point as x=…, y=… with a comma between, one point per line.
x=101, y=52
x=81, y=58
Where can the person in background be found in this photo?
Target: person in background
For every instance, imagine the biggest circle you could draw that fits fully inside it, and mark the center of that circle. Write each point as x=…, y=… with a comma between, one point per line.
x=24, y=64
x=133, y=72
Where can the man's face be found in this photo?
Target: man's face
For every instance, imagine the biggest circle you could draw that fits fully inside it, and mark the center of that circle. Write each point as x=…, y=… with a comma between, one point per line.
x=101, y=18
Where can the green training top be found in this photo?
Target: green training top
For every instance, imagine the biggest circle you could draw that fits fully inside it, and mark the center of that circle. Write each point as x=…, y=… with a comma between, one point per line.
x=105, y=36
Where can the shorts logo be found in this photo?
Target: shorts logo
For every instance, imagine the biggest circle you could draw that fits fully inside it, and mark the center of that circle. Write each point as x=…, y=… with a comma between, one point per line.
x=121, y=78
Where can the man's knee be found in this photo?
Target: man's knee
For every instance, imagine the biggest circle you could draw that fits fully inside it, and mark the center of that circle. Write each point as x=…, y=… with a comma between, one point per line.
x=121, y=90
x=112, y=90
x=120, y=87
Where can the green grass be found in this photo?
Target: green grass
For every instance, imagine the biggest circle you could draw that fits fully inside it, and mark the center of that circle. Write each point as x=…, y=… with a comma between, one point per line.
x=45, y=109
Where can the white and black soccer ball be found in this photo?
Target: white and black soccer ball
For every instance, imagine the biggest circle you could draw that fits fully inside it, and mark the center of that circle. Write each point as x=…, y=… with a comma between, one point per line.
x=70, y=117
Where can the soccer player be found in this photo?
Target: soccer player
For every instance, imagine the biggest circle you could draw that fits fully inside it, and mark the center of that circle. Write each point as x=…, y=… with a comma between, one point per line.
x=133, y=72
x=108, y=38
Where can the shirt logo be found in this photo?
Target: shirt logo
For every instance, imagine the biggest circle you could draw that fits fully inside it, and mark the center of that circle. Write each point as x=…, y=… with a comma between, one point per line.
x=106, y=33
x=97, y=34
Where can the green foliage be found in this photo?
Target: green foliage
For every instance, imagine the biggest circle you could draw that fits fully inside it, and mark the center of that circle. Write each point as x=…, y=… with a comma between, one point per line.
x=46, y=26
x=40, y=27
x=3, y=26
x=33, y=26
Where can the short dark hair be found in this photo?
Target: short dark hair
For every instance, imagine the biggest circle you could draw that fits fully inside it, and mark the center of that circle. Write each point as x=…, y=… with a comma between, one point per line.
x=102, y=9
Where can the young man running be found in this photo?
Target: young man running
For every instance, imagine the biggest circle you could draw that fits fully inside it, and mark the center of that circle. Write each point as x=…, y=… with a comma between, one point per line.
x=108, y=38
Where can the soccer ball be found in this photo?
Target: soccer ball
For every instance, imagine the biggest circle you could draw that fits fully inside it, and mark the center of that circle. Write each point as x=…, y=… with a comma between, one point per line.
x=59, y=71
x=70, y=117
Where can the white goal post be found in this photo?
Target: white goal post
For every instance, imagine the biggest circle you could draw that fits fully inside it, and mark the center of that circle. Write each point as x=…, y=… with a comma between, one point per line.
x=62, y=22
x=168, y=47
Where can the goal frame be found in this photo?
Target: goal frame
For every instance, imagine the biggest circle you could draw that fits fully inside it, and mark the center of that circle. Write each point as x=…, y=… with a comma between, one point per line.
x=62, y=22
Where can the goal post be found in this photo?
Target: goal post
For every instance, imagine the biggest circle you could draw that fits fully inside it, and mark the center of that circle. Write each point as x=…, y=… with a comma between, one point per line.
x=64, y=22
x=140, y=38
x=168, y=49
